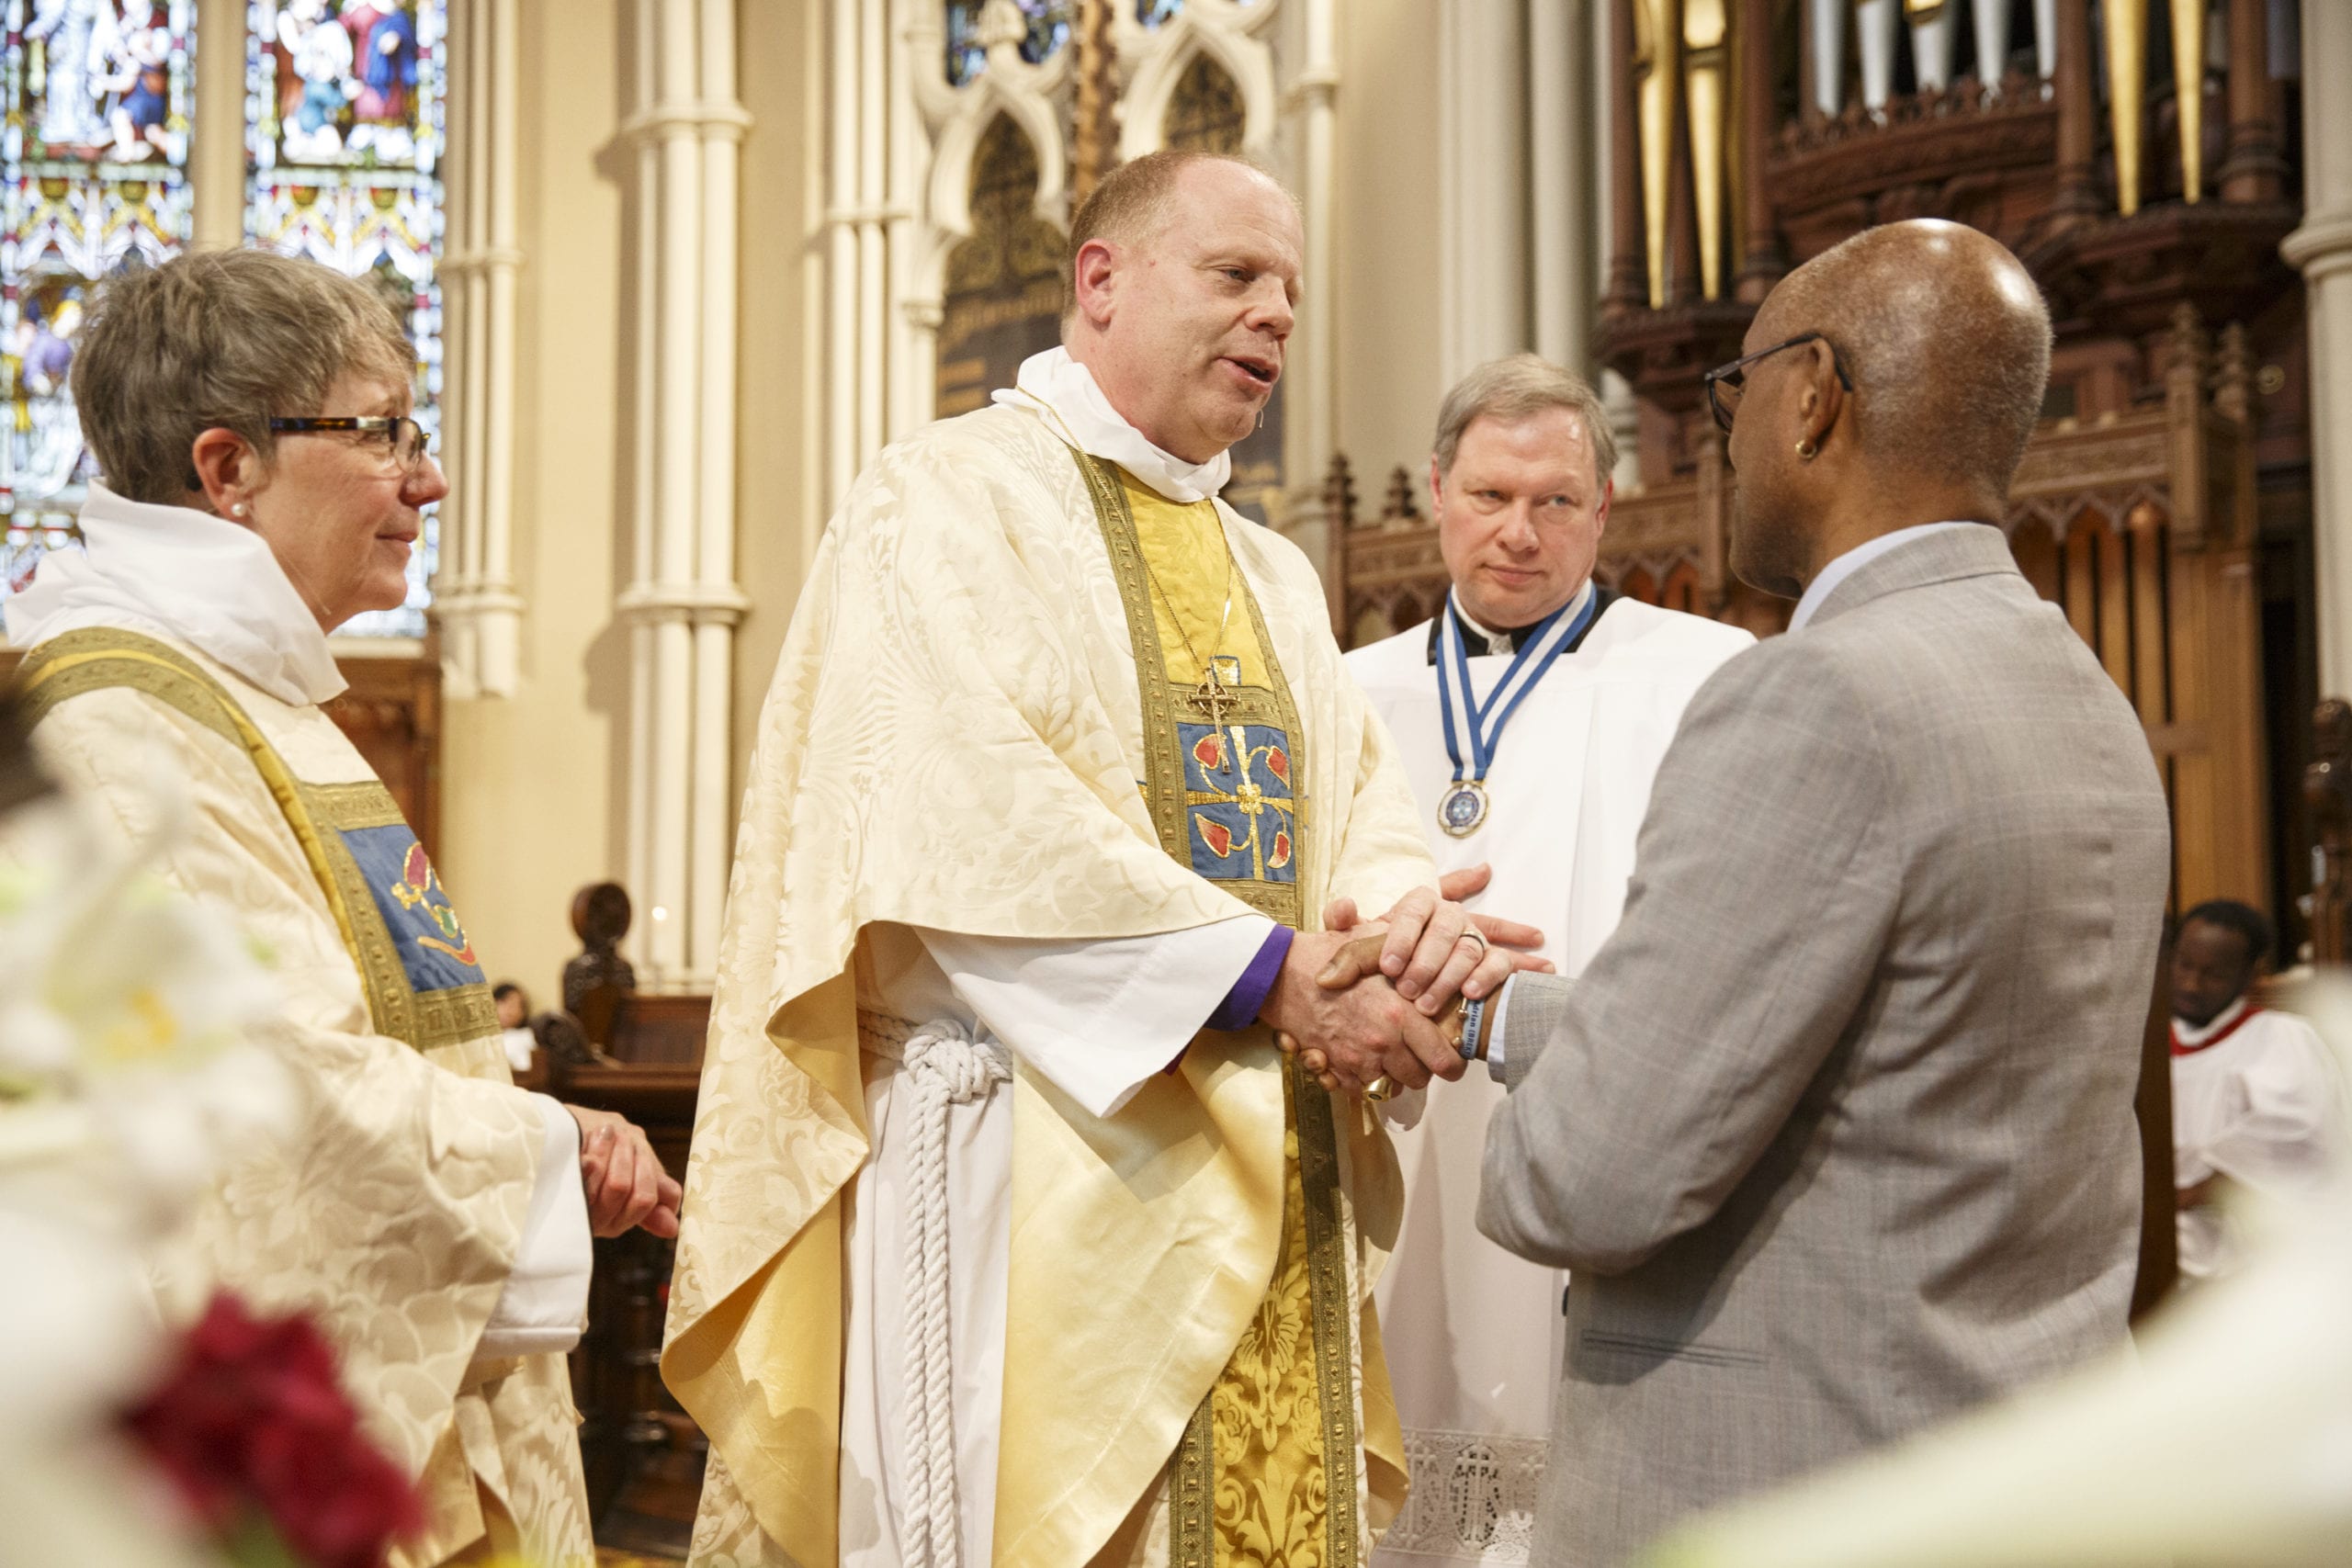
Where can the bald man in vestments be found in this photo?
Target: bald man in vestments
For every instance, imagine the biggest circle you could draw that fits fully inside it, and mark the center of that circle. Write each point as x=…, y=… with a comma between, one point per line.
x=1010, y=1237
x=1835, y=1132
x=1531, y=714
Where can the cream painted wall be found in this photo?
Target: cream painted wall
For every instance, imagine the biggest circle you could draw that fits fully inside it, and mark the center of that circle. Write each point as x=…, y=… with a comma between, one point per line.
x=1386, y=224
x=777, y=500
x=530, y=784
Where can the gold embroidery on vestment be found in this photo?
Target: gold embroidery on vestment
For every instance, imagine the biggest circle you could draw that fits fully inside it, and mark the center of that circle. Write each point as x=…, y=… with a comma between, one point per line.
x=100, y=658
x=1265, y=1472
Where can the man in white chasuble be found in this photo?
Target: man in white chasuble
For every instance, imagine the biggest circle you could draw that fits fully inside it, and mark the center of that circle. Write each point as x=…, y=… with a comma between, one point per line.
x=1011, y=1235
x=1531, y=716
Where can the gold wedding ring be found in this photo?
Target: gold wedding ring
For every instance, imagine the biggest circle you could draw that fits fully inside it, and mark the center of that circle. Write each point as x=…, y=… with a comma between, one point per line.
x=1381, y=1087
x=1471, y=933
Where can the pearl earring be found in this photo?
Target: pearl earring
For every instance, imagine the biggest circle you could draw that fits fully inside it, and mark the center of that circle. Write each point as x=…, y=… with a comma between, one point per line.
x=238, y=510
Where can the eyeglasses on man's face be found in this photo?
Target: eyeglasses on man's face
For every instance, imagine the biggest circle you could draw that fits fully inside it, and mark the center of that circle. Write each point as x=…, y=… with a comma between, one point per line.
x=407, y=441
x=1725, y=383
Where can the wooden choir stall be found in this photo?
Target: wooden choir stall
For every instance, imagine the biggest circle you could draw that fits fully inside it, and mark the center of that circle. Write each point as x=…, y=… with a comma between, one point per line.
x=612, y=1047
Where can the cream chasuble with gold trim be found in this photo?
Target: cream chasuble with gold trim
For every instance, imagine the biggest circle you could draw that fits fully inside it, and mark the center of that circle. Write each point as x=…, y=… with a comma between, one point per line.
x=398, y=1215
x=982, y=722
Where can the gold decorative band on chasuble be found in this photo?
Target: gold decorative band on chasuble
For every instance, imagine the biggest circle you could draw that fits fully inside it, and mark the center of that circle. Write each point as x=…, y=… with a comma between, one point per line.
x=423, y=983
x=1265, y=1472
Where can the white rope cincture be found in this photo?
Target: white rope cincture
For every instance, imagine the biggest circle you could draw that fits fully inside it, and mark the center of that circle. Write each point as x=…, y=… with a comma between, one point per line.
x=943, y=1066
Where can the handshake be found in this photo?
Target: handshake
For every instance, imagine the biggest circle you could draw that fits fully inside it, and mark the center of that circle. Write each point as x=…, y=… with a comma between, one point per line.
x=1373, y=1007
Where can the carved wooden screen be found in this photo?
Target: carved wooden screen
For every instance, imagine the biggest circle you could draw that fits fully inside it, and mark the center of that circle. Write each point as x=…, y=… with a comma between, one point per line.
x=1003, y=300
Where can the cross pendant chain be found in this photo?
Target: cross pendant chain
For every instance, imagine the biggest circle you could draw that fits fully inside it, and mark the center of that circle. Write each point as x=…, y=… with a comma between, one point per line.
x=1216, y=692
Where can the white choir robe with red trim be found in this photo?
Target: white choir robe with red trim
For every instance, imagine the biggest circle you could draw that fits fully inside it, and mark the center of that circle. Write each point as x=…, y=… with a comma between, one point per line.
x=2257, y=1099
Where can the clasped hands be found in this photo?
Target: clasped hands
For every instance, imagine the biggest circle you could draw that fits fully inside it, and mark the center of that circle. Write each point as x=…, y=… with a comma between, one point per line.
x=1364, y=1000
x=623, y=1177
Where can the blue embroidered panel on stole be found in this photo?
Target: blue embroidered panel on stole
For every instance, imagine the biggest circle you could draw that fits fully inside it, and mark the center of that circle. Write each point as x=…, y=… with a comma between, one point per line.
x=1239, y=807
x=433, y=946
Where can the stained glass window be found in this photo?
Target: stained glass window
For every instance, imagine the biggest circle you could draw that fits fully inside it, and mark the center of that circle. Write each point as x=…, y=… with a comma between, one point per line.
x=92, y=179
x=1048, y=29
x=344, y=125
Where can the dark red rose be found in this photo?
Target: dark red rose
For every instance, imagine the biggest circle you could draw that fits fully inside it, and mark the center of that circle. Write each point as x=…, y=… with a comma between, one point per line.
x=253, y=1419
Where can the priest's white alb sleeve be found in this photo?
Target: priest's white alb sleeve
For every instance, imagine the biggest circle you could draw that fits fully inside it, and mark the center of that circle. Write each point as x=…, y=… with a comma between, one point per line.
x=546, y=1298
x=1098, y=1019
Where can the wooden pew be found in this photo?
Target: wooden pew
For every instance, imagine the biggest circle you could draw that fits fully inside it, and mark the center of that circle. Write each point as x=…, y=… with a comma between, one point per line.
x=644, y=1060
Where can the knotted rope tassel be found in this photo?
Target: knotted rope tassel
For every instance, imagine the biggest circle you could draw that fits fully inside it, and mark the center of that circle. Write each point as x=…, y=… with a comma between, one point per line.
x=943, y=1065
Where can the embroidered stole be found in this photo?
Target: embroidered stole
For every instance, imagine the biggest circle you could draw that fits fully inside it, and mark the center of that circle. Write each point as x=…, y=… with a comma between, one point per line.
x=1266, y=1471
x=422, y=981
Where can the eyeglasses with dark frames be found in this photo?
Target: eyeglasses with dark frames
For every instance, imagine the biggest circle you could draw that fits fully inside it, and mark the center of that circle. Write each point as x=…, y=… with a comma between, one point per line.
x=408, y=441
x=1726, y=382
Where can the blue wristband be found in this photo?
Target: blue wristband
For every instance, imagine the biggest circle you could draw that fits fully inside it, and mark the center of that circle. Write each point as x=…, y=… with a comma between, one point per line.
x=1474, y=1015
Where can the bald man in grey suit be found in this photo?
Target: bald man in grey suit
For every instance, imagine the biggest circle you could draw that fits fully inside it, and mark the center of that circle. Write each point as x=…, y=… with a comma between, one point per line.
x=1836, y=1133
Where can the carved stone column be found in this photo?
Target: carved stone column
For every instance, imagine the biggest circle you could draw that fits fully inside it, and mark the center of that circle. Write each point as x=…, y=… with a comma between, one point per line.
x=1561, y=162
x=1482, y=184
x=2322, y=248
x=479, y=612
x=682, y=602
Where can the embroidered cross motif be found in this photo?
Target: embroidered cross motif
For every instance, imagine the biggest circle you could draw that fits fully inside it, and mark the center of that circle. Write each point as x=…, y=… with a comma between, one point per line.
x=1239, y=804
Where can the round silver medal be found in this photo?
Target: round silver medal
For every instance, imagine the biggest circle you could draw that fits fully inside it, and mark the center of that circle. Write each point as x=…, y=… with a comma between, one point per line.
x=1462, y=809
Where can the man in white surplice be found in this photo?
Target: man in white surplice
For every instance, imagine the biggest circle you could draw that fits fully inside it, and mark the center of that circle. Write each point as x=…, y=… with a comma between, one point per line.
x=1548, y=788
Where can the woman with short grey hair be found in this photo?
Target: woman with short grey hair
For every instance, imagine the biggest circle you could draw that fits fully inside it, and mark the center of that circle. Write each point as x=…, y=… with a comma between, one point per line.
x=265, y=480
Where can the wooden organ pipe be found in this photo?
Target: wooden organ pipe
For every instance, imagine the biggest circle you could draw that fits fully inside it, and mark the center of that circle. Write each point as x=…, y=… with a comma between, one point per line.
x=1628, y=285
x=2076, y=197
x=2252, y=169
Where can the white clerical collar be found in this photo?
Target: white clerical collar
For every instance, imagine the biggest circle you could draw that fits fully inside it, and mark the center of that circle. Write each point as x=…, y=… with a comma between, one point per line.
x=185, y=574
x=1853, y=560
x=1064, y=391
x=2220, y=1023
x=1506, y=642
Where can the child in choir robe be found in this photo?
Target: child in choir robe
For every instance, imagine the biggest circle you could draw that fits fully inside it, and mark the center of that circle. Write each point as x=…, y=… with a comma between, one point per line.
x=2257, y=1100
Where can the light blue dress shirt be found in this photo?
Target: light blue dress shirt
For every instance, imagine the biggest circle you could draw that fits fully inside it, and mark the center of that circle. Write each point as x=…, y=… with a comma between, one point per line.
x=1853, y=560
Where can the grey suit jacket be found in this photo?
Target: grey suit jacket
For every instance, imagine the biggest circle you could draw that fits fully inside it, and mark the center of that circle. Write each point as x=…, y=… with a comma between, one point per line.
x=1835, y=1132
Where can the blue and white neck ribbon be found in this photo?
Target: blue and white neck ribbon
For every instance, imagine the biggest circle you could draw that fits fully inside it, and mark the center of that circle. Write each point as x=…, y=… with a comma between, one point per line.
x=1474, y=728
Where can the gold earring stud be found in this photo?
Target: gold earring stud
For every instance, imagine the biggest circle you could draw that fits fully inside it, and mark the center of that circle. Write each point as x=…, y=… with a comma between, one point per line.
x=1807, y=450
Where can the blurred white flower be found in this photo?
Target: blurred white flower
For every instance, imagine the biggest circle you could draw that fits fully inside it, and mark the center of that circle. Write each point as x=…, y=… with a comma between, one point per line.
x=2228, y=1439
x=129, y=1076
x=128, y=1071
